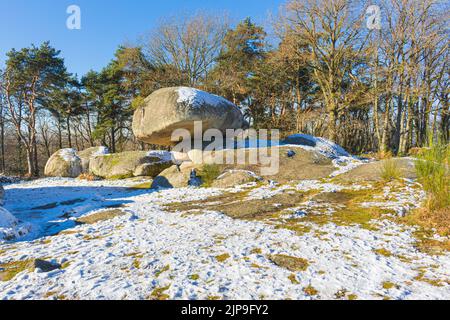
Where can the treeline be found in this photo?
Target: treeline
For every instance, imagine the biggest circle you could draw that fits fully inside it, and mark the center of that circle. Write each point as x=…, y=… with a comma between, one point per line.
x=321, y=71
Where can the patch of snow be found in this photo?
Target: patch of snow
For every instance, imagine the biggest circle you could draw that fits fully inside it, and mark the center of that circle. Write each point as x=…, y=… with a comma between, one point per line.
x=68, y=155
x=324, y=146
x=345, y=164
x=164, y=156
x=101, y=258
x=401, y=201
x=101, y=151
x=7, y=220
x=250, y=173
x=307, y=185
x=267, y=191
x=341, y=159
x=198, y=98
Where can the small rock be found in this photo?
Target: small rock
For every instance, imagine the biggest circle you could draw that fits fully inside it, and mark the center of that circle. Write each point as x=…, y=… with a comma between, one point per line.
x=46, y=266
x=194, y=180
x=402, y=212
x=291, y=153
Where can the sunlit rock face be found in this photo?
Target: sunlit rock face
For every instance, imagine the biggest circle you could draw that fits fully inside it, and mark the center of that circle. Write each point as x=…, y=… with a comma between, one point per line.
x=64, y=163
x=128, y=164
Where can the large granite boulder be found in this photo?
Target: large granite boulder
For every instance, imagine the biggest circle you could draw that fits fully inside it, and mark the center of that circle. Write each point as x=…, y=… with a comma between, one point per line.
x=324, y=146
x=169, y=109
x=87, y=154
x=129, y=164
x=176, y=176
x=280, y=163
x=373, y=171
x=64, y=163
x=188, y=174
x=233, y=178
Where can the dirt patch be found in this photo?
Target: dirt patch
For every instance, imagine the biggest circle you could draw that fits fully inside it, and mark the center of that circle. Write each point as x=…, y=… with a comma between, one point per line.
x=238, y=206
x=100, y=216
x=333, y=197
x=293, y=264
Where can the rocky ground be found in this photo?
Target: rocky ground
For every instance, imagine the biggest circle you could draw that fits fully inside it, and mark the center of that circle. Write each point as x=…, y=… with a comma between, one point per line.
x=332, y=238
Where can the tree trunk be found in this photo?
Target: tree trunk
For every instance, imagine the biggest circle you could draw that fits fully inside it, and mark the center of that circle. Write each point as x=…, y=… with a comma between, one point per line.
x=91, y=140
x=2, y=141
x=60, y=144
x=113, y=140
x=385, y=134
x=332, y=134
x=69, y=133
x=30, y=170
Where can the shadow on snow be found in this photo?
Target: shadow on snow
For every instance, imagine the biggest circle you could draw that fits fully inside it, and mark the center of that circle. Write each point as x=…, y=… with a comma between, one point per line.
x=50, y=210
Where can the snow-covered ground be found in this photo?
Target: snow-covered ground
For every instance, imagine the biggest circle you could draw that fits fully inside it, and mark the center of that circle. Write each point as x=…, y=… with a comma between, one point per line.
x=150, y=252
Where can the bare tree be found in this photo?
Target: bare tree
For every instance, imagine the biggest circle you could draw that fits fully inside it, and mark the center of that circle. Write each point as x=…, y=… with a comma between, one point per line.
x=332, y=30
x=190, y=45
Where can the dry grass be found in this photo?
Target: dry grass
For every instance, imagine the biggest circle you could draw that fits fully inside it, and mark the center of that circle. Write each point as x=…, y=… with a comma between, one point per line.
x=383, y=252
x=88, y=177
x=310, y=291
x=293, y=278
x=11, y=269
x=293, y=264
x=388, y=285
x=433, y=171
x=208, y=173
x=432, y=219
x=223, y=257
x=390, y=170
x=159, y=293
x=100, y=216
x=417, y=151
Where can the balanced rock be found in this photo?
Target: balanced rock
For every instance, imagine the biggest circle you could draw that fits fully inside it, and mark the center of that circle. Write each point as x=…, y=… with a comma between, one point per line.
x=64, y=163
x=128, y=164
x=168, y=109
x=87, y=154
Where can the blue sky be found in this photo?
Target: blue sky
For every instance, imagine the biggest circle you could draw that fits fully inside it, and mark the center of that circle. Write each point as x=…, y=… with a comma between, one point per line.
x=105, y=24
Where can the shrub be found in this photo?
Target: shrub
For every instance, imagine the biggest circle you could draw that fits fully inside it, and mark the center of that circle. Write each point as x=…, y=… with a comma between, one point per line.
x=432, y=168
x=209, y=173
x=390, y=170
